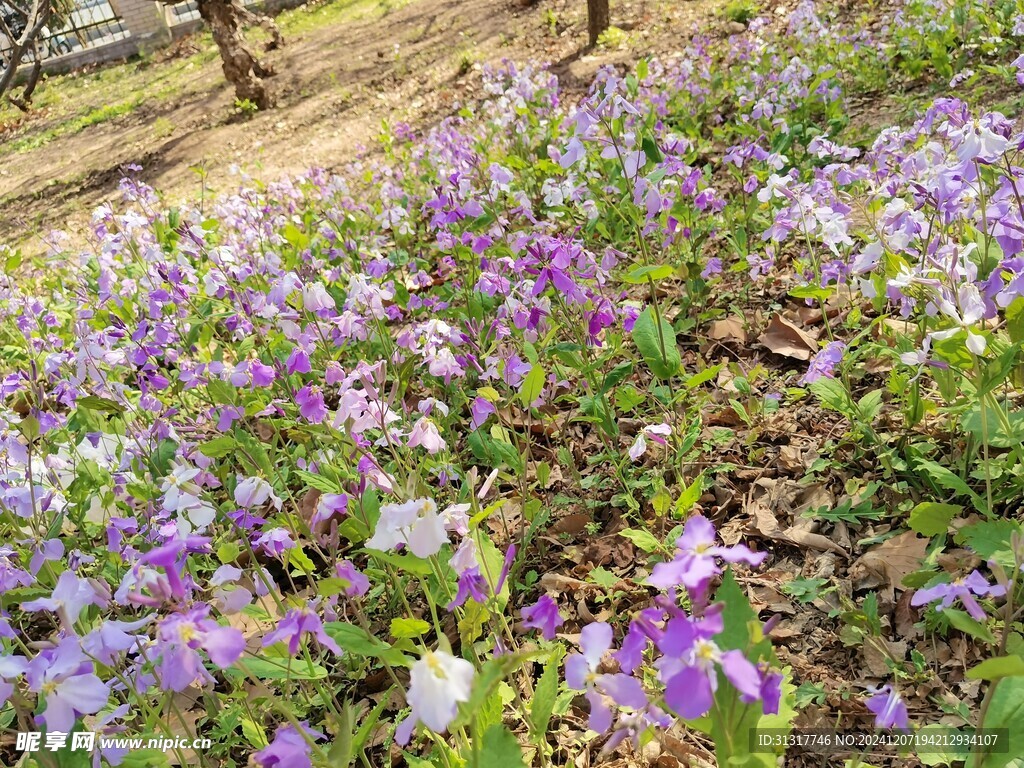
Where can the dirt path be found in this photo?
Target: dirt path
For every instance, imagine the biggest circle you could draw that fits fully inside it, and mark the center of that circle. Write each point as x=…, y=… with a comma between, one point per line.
x=337, y=82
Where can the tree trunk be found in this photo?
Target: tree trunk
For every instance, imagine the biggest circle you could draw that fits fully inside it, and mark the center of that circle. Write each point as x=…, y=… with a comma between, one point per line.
x=598, y=19
x=241, y=66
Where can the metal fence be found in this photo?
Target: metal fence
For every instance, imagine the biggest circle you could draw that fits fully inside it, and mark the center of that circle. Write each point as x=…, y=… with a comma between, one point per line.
x=74, y=26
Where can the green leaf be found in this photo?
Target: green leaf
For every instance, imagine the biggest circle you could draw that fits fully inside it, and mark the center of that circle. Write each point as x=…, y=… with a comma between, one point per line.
x=1006, y=710
x=930, y=518
x=738, y=621
x=95, y=403
x=833, y=395
x=969, y=626
x=945, y=478
x=997, y=667
x=653, y=272
x=690, y=496
x=703, y=377
x=268, y=669
x=616, y=375
x=218, y=447
x=532, y=386
x=402, y=628
x=319, y=482
x=358, y=642
x=644, y=540
x=546, y=692
x=500, y=749
x=648, y=341
x=990, y=539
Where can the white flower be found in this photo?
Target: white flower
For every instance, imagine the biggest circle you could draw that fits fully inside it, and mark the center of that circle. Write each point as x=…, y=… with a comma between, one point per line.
x=414, y=523
x=656, y=432
x=179, y=490
x=254, y=492
x=978, y=141
x=438, y=683
x=970, y=312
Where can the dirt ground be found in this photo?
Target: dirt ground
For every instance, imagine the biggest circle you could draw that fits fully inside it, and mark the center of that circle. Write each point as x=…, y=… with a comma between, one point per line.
x=337, y=81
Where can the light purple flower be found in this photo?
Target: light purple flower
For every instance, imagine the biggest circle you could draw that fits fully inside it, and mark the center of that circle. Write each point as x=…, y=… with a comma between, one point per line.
x=180, y=636
x=357, y=584
x=69, y=598
x=581, y=674
x=543, y=615
x=311, y=404
x=888, y=708
x=655, y=432
x=295, y=624
x=960, y=589
x=823, y=364
x=289, y=749
x=689, y=667
x=425, y=433
x=65, y=678
x=695, y=562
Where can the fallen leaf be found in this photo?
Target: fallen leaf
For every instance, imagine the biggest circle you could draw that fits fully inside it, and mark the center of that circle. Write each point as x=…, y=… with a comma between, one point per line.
x=766, y=524
x=784, y=338
x=730, y=329
x=890, y=562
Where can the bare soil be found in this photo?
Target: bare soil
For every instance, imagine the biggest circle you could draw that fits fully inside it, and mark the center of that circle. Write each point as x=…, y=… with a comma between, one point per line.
x=336, y=84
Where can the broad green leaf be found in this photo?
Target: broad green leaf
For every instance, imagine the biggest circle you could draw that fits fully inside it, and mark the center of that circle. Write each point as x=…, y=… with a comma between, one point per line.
x=218, y=447
x=945, y=478
x=358, y=642
x=996, y=667
x=990, y=539
x=969, y=626
x=408, y=628
x=653, y=272
x=664, y=363
x=277, y=669
x=930, y=518
x=644, y=540
x=546, y=692
x=500, y=749
x=708, y=374
x=1006, y=710
x=532, y=386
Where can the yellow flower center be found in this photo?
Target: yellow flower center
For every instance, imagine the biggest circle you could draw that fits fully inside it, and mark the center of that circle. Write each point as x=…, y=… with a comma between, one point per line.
x=434, y=664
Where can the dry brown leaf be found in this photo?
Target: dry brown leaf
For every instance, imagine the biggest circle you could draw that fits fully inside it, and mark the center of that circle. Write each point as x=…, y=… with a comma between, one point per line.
x=730, y=329
x=766, y=524
x=784, y=338
x=890, y=562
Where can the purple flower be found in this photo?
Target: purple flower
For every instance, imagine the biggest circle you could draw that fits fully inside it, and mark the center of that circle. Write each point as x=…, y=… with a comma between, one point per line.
x=480, y=410
x=581, y=674
x=311, y=404
x=543, y=615
x=960, y=589
x=691, y=662
x=357, y=583
x=471, y=584
x=69, y=598
x=298, y=362
x=179, y=638
x=297, y=623
x=694, y=564
x=889, y=709
x=289, y=749
x=64, y=677
x=823, y=364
